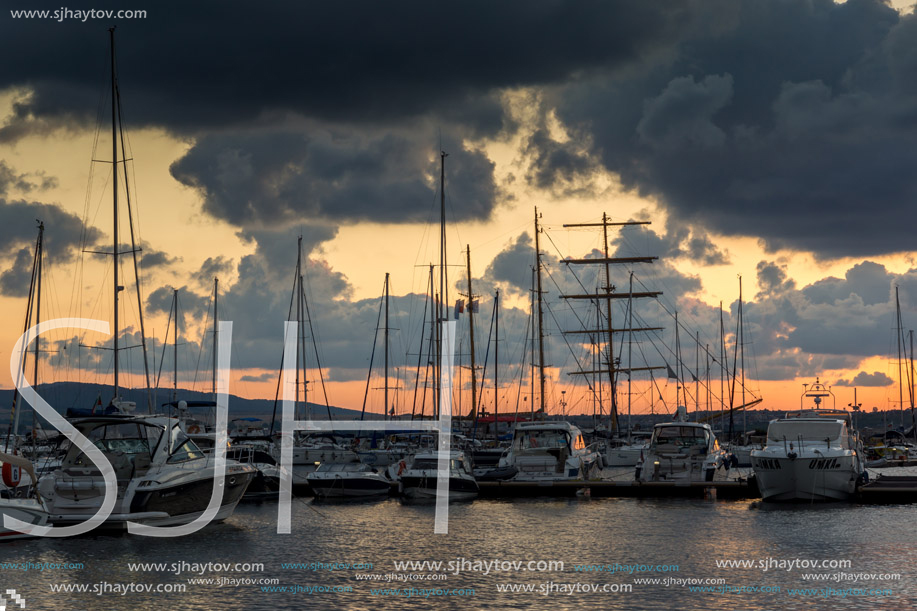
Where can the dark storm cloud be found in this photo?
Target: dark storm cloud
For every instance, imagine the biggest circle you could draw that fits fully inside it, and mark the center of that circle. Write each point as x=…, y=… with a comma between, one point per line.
x=833, y=323
x=677, y=241
x=155, y=258
x=24, y=183
x=64, y=232
x=188, y=67
x=190, y=305
x=278, y=177
x=773, y=280
x=876, y=378
x=15, y=280
x=791, y=121
x=213, y=267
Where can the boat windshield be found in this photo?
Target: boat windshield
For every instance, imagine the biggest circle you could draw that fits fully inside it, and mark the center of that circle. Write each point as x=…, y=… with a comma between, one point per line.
x=681, y=435
x=183, y=448
x=127, y=437
x=802, y=430
x=338, y=467
x=431, y=464
x=541, y=439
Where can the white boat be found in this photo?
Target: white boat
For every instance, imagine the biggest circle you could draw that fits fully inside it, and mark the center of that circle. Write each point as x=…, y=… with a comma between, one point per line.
x=626, y=454
x=163, y=478
x=348, y=480
x=548, y=451
x=266, y=482
x=811, y=454
x=420, y=479
x=683, y=452
x=28, y=510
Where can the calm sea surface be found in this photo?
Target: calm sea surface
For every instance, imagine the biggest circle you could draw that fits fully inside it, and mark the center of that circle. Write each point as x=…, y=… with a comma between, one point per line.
x=672, y=539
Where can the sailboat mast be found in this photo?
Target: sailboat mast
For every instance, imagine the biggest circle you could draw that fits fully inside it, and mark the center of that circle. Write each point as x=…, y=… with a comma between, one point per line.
x=385, y=404
x=434, y=344
x=297, y=289
x=900, y=376
x=540, y=318
x=213, y=383
x=630, y=339
x=443, y=282
x=742, y=346
x=724, y=367
x=175, y=347
x=474, y=389
x=114, y=173
x=496, y=364
x=697, y=372
x=38, y=253
x=532, y=335
x=913, y=420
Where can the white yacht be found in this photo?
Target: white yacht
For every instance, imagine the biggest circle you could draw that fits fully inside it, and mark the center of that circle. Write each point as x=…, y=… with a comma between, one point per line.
x=811, y=454
x=548, y=451
x=348, y=480
x=626, y=454
x=163, y=478
x=682, y=451
x=420, y=479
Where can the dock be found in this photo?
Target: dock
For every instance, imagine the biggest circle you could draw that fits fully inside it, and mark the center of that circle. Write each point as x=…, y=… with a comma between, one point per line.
x=726, y=489
x=889, y=489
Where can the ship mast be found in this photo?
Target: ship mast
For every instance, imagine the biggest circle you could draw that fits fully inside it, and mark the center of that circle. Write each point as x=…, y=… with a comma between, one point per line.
x=539, y=294
x=608, y=294
x=474, y=389
x=114, y=157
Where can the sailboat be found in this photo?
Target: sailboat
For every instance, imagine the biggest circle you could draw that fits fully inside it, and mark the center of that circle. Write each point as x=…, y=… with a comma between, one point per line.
x=163, y=478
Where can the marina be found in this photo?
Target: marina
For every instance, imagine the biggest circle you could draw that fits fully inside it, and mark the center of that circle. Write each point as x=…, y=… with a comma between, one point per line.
x=383, y=306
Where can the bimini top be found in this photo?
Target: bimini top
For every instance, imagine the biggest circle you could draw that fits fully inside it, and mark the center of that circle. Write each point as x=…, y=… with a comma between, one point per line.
x=807, y=429
x=828, y=414
x=546, y=425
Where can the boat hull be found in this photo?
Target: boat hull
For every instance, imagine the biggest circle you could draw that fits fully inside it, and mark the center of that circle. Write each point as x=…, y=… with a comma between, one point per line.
x=806, y=477
x=349, y=487
x=423, y=487
x=24, y=510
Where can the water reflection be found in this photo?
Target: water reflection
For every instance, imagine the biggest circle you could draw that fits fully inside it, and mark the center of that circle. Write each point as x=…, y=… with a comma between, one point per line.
x=638, y=536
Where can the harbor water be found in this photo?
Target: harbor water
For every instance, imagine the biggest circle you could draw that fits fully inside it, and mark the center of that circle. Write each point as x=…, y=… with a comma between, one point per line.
x=582, y=553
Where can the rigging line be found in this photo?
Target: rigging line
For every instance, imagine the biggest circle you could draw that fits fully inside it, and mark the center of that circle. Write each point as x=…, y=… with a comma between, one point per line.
x=685, y=328
x=318, y=362
x=161, y=360
x=200, y=352
x=486, y=361
x=282, y=356
x=682, y=325
x=372, y=358
x=423, y=327
x=579, y=366
x=130, y=218
x=522, y=368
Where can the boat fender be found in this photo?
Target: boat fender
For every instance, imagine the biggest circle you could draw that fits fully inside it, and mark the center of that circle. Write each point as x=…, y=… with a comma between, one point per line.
x=733, y=461
x=600, y=462
x=11, y=475
x=401, y=467
x=193, y=429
